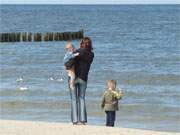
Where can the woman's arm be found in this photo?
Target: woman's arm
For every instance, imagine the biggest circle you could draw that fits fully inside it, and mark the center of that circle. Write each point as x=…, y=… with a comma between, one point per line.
x=69, y=59
x=69, y=56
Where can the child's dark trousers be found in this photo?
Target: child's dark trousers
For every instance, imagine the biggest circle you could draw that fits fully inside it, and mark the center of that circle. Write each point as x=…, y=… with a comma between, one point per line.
x=110, y=118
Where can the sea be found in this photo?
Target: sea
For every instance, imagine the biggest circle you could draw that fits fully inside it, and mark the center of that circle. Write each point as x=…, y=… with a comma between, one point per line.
x=137, y=45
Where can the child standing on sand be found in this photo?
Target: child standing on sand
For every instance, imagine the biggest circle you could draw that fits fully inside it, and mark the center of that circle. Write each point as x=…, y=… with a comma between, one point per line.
x=70, y=55
x=110, y=102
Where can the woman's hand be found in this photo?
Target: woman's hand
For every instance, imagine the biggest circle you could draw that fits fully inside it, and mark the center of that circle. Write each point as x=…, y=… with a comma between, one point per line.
x=76, y=54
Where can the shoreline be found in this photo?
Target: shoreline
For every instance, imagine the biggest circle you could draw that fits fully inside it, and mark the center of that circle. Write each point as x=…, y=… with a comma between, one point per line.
x=16, y=127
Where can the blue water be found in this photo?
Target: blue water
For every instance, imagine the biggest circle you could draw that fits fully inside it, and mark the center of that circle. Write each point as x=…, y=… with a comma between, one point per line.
x=139, y=46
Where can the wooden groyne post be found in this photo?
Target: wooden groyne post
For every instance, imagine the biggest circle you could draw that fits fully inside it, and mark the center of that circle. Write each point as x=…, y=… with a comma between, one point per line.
x=38, y=37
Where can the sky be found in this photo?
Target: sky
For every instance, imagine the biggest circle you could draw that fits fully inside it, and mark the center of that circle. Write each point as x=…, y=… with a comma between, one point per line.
x=90, y=1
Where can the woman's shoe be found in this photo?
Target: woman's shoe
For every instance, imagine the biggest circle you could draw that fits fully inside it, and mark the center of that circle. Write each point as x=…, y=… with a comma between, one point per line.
x=75, y=123
x=82, y=123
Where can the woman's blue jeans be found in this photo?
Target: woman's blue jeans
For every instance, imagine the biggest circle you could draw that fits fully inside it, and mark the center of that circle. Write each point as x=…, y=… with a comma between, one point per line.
x=78, y=105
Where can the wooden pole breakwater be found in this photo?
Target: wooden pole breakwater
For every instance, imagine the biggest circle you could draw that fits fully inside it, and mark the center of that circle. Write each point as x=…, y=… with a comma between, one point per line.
x=38, y=37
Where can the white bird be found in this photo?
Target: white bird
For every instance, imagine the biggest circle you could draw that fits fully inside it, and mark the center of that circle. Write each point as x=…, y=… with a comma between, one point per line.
x=23, y=88
x=19, y=79
x=60, y=80
x=51, y=78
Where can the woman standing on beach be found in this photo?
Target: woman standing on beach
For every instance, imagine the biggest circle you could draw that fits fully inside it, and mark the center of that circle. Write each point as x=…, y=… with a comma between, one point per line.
x=82, y=66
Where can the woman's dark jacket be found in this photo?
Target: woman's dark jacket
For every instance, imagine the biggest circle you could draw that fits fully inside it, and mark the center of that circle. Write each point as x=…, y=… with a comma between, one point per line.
x=83, y=63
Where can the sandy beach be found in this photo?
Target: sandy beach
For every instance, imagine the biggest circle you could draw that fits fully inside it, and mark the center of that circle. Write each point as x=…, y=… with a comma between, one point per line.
x=12, y=127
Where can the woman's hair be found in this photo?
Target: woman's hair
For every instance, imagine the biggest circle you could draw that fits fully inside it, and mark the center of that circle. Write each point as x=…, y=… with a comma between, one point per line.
x=86, y=43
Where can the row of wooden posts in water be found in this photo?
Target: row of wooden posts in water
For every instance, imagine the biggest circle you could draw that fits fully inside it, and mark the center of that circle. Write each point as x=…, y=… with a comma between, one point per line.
x=38, y=37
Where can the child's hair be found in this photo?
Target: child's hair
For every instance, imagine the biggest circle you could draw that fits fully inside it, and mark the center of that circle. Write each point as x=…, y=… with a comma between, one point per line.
x=69, y=45
x=111, y=83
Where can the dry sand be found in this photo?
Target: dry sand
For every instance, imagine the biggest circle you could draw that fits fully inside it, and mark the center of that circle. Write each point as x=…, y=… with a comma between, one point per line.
x=11, y=127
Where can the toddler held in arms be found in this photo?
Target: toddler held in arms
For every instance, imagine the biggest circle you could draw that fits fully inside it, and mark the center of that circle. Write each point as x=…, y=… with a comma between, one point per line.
x=110, y=102
x=69, y=66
